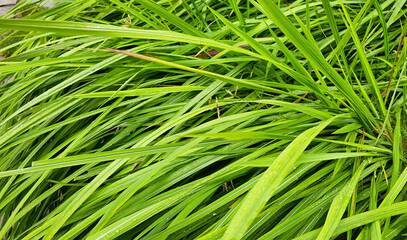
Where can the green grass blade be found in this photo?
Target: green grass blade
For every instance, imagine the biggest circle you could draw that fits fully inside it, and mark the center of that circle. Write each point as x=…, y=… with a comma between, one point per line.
x=264, y=189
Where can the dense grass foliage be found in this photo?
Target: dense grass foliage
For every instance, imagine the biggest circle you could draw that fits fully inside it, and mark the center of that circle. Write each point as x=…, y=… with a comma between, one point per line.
x=204, y=119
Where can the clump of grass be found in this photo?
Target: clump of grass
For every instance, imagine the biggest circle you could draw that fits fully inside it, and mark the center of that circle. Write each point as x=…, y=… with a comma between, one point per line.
x=205, y=120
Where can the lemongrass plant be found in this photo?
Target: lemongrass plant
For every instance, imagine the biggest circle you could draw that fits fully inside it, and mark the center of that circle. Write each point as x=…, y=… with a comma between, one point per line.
x=191, y=119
